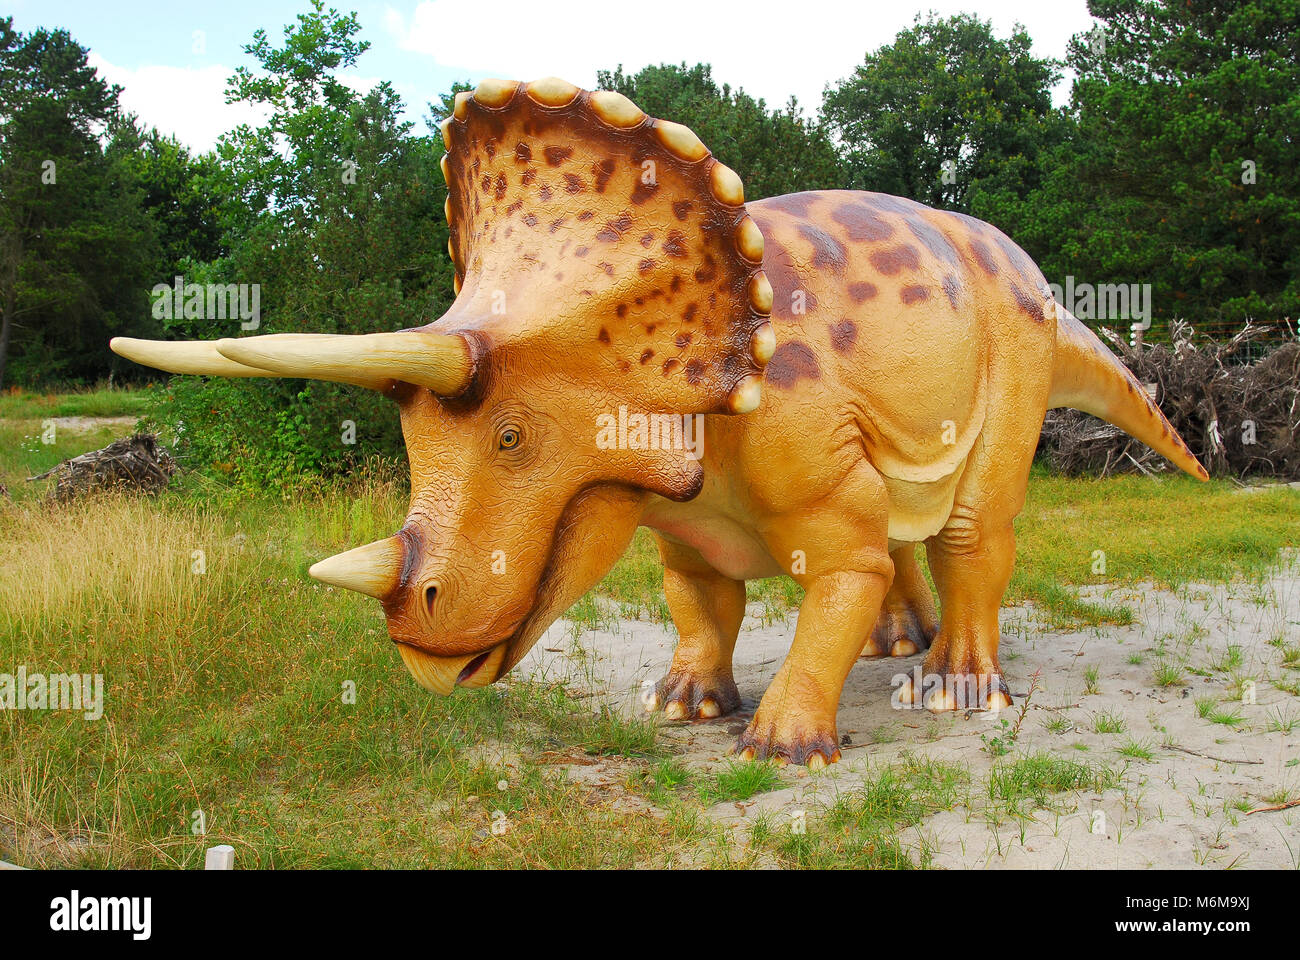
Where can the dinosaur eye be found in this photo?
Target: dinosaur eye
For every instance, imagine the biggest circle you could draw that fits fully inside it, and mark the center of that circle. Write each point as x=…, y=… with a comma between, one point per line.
x=509, y=438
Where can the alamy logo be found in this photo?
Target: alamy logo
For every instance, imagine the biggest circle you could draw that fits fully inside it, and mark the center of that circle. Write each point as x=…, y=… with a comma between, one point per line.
x=209, y=301
x=1106, y=301
x=74, y=913
x=55, y=691
x=651, y=431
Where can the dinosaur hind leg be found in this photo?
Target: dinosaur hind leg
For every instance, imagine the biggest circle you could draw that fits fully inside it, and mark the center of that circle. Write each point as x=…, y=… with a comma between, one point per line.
x=908, y=622
x=707, y=609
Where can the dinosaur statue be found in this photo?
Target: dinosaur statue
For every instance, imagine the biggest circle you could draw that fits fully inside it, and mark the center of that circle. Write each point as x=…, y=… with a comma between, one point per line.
x=869, y=373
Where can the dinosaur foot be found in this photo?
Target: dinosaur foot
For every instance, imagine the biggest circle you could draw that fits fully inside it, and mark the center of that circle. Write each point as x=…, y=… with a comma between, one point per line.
x=900, y=631
x=941, y=685
x=789, y=739
x=683, y=695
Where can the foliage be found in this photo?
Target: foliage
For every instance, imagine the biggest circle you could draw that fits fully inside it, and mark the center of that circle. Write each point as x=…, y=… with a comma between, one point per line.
x=1182, y=168
x=945, y=110
x=774, y=151
x=75, y=243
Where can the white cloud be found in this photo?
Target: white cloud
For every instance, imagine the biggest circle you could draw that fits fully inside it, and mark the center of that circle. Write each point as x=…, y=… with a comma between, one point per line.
x=187, y=102
x=770, y=48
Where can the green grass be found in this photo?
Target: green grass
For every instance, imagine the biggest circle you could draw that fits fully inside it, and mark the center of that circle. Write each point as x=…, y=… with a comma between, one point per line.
x=739, y=781
x=1028, y=782
x=1108, y=722
x=860, y=829
x=225, y=689
x=98, y=401
x=1208, y=708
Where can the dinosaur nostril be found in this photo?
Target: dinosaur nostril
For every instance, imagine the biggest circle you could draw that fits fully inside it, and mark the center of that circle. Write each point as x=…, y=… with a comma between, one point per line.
x=430, y=595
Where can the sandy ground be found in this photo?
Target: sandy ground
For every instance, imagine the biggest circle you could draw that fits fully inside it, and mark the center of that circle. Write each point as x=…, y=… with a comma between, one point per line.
x=1180, y=809
x=78, y=424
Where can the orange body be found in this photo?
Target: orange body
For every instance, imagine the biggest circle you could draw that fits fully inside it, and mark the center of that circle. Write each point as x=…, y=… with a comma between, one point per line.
x=868, y=374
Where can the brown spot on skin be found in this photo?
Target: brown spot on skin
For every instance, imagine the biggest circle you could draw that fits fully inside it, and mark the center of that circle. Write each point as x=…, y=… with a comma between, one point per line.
x=500, y=186
x=603, y=337
x=491, y=149
x=828, y=253
x=683, y=340
x=675, y=245
x=529, y=176
x=707, y=272
x=689, y=313
x=613, y=231
x=1030, y=306
x=556, y=224
x=796, y=203
x=514, y=208
x=530, y=219
x=792, y=362
x=694, y=371
x=983, y=256
x=843, y=335
x=643, y=192
x=485, y=183
x=581, y=251
x=647, y=239
x=933, y=240
x=621, y=309
x=1019, y=259
x=646, y=356
x=951, y=289
x=861, y=292
x=544, y=192
x=573, y=183
x=895, y=259
x=676, y=285
x=523, y=151
x=861, y=224
x=603, y=170
x=585, y=216
x=557, y=155
x=645, y=266
x=914, y=293
x=681, y=208
x=670, y=365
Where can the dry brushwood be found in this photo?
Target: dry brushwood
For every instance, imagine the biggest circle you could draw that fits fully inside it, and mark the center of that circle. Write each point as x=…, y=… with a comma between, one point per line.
x=137, y=462
x=1239, y=419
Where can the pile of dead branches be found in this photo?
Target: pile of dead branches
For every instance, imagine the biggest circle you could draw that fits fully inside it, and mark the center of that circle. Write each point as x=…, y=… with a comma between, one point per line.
x=137, y=463
x=1239, y=419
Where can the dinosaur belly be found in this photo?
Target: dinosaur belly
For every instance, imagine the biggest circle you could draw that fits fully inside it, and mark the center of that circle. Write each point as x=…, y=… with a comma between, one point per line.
x=917, y=511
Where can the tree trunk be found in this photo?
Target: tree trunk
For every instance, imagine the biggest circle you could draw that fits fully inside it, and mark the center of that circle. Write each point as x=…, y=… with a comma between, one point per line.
x=6, y=324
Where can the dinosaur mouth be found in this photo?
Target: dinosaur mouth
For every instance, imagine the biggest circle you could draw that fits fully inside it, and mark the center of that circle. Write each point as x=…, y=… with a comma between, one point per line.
x=441, y=675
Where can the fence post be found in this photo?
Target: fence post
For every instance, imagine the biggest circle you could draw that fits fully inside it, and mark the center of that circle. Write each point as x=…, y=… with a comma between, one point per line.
x=220, y=857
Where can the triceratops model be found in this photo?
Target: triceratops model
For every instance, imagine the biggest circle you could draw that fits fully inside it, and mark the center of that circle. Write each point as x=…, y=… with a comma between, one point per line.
x=872, y=374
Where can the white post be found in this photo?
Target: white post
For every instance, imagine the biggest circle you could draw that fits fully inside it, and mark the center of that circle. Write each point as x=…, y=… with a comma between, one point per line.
x=220, y=858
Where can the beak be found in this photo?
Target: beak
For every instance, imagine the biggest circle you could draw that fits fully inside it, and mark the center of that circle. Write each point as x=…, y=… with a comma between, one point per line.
x=443, y=674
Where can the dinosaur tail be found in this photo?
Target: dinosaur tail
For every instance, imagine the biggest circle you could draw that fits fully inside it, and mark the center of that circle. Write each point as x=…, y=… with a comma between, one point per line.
x=1088, y=377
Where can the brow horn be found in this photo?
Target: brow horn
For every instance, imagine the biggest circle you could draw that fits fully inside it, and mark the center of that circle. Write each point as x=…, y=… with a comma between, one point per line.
x=199, y=357
x=440, y=362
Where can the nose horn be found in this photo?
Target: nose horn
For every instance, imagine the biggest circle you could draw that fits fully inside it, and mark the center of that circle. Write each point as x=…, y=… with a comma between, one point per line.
x=373, y=569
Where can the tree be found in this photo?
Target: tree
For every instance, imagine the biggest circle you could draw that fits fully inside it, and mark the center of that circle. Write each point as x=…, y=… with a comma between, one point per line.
x=945, y=106
x=1184, y=171
x=774, y=151
x=75, y=246
x=335, y=211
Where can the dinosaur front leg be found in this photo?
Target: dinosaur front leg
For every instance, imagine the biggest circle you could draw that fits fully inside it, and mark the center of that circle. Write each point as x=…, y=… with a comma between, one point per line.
x=795, y=722
x=707, y=609
x=907, y=622
x=971, y=559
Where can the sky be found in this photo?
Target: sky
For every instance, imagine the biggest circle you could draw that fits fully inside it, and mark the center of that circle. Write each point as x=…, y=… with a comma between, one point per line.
x=172, y=59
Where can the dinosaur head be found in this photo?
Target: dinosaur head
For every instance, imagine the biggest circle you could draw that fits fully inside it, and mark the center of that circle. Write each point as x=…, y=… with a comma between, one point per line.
x=608, y=288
